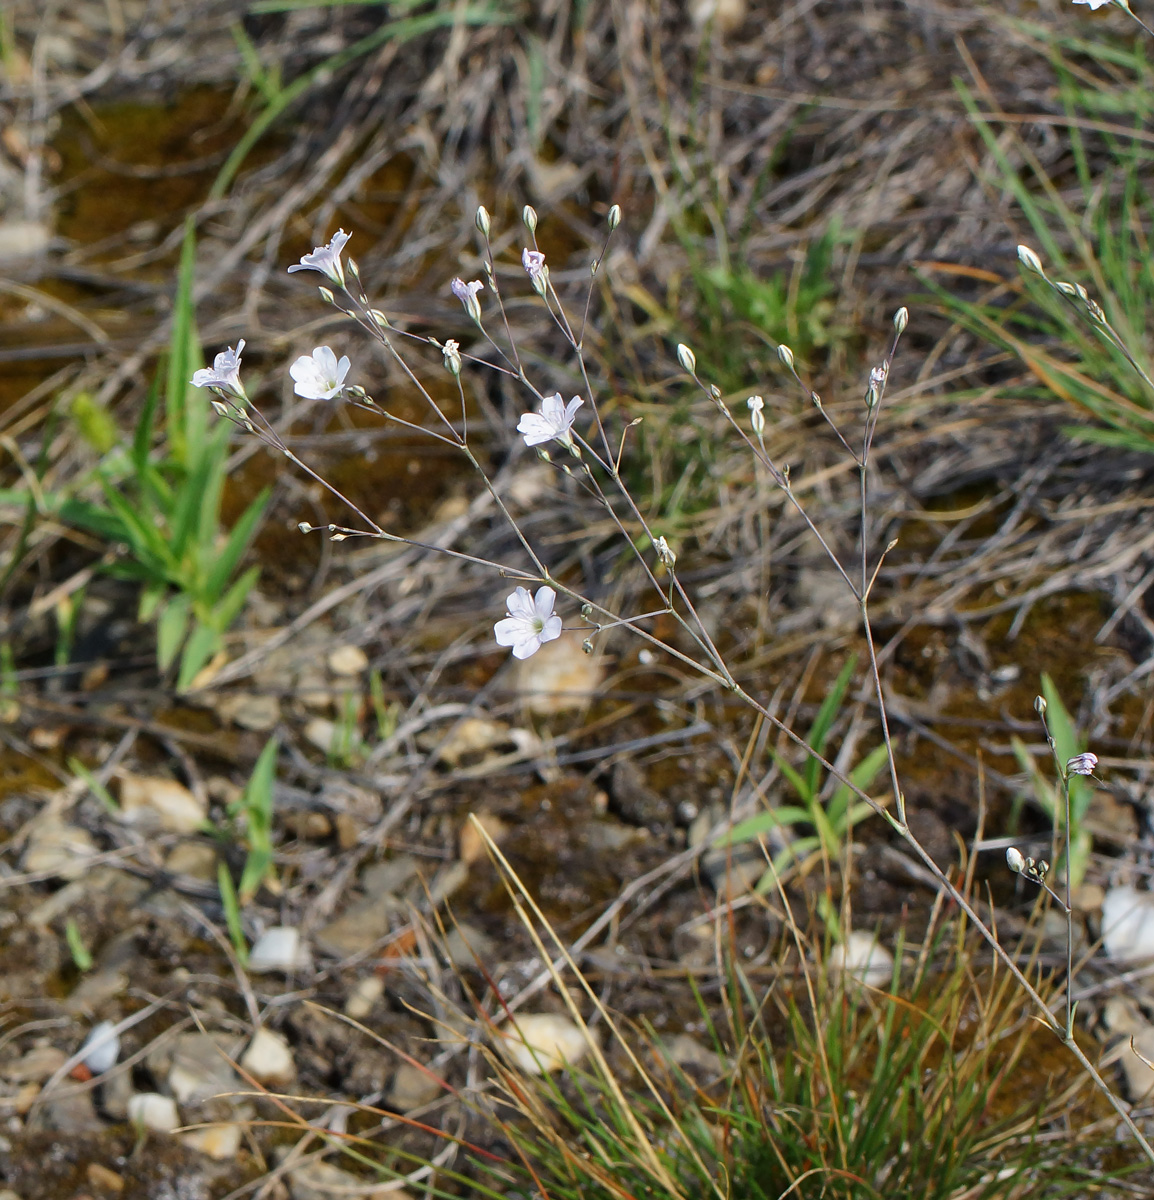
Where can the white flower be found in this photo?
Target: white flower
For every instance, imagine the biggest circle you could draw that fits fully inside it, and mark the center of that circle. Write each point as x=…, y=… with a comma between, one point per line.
x=530, y=621
x=533, y=261
x=326, y=259
x=224, y=373
x=552, y=423
x=467, y=294
x=1095, y=4
x=319, y=376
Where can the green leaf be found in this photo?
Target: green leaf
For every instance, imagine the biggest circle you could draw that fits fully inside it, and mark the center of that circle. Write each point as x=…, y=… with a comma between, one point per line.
x=199, y=648
x=862, y=777
x=227, y=609
x=238, y=542
x=763, y=822
x=93, y=784
x=823, y=722
x=231, y=905
x=171, y=630
x=795, y=778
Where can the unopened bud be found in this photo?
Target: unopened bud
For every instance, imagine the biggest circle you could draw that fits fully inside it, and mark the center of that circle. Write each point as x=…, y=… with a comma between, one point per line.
x=1067, y=289
x=614, y=217
x=786, y=355
x=587, y=645
x=304, y=527
x=901, y=319
x=354, y=270
x=686, y=358
x=379, y=317
x=1040, y=705
x=540, y=281
x=326, y=295
x=667, y=557
x=1015, y=859
x=756, y=414
x=1030, y=260
x=451, y=353
x=220, y=409
x=529, y=216
x=483, y=223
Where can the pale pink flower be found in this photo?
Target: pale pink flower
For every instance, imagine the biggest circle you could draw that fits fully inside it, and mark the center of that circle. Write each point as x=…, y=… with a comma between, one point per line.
x=326, y=259
x=553, y=423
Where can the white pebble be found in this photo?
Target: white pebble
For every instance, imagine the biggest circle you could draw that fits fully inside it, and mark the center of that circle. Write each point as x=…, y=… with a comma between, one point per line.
x=278, y=949
x=861, y=957
x=101, y=1048
x=153, y=1111
x=1128, y=924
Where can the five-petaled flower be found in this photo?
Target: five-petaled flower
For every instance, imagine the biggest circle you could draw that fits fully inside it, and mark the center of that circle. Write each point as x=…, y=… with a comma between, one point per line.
x=467, y=294
x=553, y=423
x=533, y=261
x=530, y=621
x=326, y=259
x=224, y=374
x=319, y=376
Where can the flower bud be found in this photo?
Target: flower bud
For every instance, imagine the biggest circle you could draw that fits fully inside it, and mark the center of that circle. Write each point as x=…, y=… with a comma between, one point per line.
x=326, y=295
x=529, y=216
x=353, y=269
x=451, y=353
x=1015, y=860
x=483, y=223
x=756, y=414
x=686, y=358
x=1067, y=289
x=667, y=557
x=786, y=355
x=304, y=527
x=380, y=318
x=1040, y=705
x=1030, y=260
x=901, y=319
x=614, y=217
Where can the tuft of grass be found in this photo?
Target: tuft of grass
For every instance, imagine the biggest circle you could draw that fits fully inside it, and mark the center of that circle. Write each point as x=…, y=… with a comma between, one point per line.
x=939, y=1088
x=1094, y=239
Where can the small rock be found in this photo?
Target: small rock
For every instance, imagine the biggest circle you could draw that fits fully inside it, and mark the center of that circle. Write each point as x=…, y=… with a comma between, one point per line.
x=560, y=677
x=412, y=1088
x=863, y=958
x=543, y=1042
x=57, y=849
x=70, y=1115
x=101, y=1048
x=23, y=239
x=363, y=996
x=94, y=990
x=465, y=945
x=323, y=1181
x=359, y=928
x=153, y=802
x=25, y=1097
x=687, y=1051
x=151, y=1110
x=260, y=713
x=279, y=949
x=390, y=877
x=1139, y=1077
x=1128, y=924
x=471, y=845
x=104, y=1179
x=37, y=1065
x=348, y=660
x=472, y=737
x=449, y=879
x=724, y=15
x=194, y=859
x=197, y=1069
x=269, y=1059
x=217, y=1141
x=323, y=734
